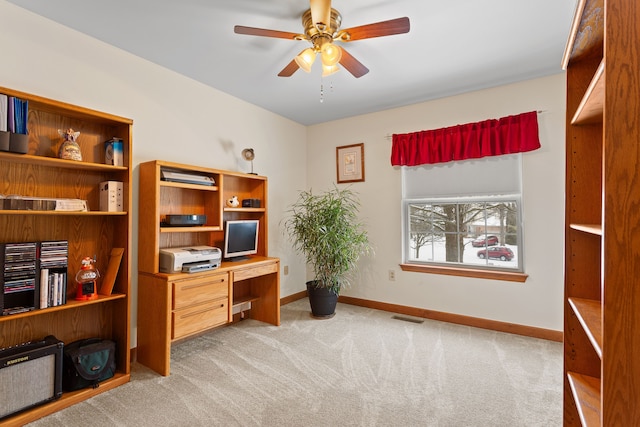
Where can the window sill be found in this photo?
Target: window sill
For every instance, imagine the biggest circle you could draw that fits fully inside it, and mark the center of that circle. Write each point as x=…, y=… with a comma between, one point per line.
x=466, y=272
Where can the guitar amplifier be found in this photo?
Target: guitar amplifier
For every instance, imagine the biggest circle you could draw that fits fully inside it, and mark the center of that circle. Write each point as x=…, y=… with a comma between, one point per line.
x=30, y=375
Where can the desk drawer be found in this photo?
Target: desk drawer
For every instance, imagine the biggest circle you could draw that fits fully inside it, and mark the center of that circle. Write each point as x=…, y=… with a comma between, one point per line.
x=199, y=317
x=198, y=290
x=251, y=272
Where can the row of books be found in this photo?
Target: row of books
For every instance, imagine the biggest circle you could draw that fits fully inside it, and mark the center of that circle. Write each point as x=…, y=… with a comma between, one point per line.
x=53, y=273
x=53, y=288
x=13, y=114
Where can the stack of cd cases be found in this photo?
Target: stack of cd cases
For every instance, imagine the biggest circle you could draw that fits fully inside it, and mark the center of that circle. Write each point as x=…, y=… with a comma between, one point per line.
x=19, y=277
x=34, y=275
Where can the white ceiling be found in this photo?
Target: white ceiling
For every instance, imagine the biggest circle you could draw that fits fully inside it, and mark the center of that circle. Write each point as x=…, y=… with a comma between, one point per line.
x=454, y=46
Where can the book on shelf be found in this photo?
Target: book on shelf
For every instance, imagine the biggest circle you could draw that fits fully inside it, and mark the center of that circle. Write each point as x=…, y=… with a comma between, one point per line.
x=20, y=111
x=53, y=262
x=4, y=100
x=11, y=121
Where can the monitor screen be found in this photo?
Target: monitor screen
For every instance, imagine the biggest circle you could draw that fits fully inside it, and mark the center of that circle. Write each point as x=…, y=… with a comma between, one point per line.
x=240, y=238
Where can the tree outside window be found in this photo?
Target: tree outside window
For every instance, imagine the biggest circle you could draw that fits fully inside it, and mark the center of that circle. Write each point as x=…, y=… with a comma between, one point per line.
x=477, y=233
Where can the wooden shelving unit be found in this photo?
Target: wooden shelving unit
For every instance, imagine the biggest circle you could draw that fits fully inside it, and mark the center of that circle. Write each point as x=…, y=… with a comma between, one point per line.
x=602, y=251
x=39, y=173
x=167, y=308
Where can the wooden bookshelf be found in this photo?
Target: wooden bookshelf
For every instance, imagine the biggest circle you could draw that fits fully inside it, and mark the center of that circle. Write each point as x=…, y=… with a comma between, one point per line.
x=39, y=173
x=602, y=252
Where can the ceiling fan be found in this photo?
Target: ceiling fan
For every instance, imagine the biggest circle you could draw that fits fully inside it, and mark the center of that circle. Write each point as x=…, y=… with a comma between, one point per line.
x=321, y=28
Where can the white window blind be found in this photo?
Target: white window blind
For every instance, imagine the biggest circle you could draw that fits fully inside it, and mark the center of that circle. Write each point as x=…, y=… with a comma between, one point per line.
x=485, y=176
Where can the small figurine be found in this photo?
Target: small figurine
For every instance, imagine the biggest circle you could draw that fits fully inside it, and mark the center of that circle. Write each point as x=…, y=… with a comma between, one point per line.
x=69, y=150
x=86, y=280
x=233, y=202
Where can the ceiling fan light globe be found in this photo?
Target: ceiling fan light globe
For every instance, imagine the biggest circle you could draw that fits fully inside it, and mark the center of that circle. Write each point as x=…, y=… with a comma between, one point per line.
x=331, y=54
x=305, y=59
x=327, y=70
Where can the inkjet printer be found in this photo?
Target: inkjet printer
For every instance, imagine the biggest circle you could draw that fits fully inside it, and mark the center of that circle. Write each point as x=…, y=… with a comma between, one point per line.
x=189, y=259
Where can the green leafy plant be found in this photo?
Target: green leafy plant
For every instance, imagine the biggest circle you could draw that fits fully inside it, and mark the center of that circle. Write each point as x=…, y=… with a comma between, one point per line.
x=326, y=228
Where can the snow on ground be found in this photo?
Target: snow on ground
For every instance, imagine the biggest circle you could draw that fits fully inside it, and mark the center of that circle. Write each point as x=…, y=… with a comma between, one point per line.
x=436, y=253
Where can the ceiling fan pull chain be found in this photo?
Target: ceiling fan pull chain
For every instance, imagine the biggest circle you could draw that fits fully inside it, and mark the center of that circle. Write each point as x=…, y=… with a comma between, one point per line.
x=321, y=93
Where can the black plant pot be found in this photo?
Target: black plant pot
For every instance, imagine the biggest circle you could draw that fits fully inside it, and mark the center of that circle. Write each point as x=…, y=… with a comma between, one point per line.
x=323, y=301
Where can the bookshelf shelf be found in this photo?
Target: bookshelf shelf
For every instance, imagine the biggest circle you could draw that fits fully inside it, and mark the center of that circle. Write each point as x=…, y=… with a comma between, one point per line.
x=591, y=107
x=61, y=213
x=58, y=163
x=185, y=185
x=70, y=305
x=586, y=393
x=589, y=313
x=240, y=210
x=595, y=229
x=198, y=229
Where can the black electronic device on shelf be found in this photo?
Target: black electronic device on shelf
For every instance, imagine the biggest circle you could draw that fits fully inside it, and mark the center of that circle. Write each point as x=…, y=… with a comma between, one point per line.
x=30, y=375
x=184, y=220
x=250, y=203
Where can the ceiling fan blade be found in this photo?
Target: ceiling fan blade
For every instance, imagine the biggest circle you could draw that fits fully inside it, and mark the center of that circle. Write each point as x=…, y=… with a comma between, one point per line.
x=379, y=29
x=352, y=65
x=252, y=31
x=320, y=12
x=291, y=68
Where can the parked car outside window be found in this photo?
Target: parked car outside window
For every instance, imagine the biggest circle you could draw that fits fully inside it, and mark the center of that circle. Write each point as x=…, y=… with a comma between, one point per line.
x=497, y=252
x=481, y=241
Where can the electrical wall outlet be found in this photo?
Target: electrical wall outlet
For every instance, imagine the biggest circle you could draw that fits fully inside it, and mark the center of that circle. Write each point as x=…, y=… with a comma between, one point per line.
x=285, y=270
x=392, y=275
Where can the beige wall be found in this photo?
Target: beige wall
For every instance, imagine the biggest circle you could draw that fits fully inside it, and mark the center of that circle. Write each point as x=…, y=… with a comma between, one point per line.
x=538, y=301
x=178, y=119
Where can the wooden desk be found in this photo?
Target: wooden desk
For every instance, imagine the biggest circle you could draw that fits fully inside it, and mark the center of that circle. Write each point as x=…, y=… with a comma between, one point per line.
x=173, y=307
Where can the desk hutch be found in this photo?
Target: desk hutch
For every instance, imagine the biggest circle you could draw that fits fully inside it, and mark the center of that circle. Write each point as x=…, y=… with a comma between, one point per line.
x=172, y=307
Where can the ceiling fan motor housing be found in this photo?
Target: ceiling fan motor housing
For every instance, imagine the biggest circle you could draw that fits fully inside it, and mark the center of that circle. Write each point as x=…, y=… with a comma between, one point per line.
x=321, y=34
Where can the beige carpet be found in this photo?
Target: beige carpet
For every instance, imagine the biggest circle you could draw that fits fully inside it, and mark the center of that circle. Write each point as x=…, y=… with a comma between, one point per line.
x=360, y=368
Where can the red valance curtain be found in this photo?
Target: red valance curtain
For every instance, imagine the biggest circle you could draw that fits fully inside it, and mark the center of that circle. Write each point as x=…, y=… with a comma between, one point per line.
x=511, y=134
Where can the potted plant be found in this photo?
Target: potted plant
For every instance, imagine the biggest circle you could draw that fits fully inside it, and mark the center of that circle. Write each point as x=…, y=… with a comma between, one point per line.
x=326, y=228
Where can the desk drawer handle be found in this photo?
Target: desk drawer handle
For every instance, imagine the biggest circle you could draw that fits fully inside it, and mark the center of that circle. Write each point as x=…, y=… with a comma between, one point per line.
x=204, y=310
x=198, y=285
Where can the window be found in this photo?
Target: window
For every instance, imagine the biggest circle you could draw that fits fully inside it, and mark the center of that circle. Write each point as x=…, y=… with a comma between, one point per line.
x=464, y=215
x=471, y=232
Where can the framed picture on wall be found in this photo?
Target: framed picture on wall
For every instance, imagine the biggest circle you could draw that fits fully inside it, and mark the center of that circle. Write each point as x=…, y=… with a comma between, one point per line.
x=350, y=163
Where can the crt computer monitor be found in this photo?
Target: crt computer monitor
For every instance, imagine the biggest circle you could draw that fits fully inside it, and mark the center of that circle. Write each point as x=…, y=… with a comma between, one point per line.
x=240, y=238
